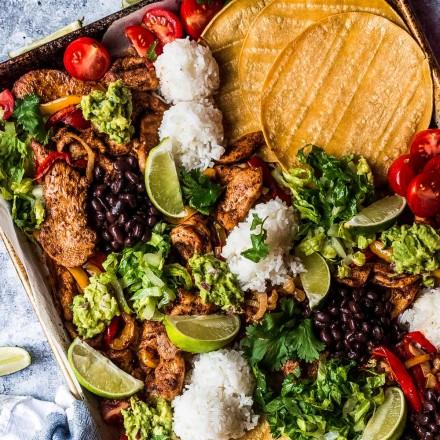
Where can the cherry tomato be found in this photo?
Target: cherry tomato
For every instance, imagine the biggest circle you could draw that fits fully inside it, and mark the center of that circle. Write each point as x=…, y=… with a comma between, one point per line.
x=164, y=24
x=7, y=102
x=403, y=170
x=86, y=59
x=196, y=14
x=143, y=41
x=433, y=164
x=71, y=115
x=426, y=143
x=424, y=194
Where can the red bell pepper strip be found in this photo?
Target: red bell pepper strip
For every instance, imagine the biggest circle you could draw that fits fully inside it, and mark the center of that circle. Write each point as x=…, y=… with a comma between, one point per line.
x=80, y=163
x=70, y=115
x=44, y=167
x=401, y=375
x=112, y=330
x=97, y=259
x=419, y=338
x=7, y=103
x=269, y=180
x=123, y=437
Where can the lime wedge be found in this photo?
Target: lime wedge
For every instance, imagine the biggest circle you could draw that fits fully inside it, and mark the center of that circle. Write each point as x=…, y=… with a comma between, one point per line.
x=13, y=359
x=388, y=422
x=98, y=374
x=36, y=43
x=201, y=334
x=379, y=216
x=316, y=281
x=162, y=181
x=126, y=3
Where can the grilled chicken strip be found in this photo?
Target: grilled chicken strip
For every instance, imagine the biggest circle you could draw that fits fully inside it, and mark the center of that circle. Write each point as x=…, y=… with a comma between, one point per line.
x=192, y=236
x=134, y=72
x=225, y=173
x=243, y=148
x=64, y=234
x=189, y=304
x=50, y=84
x=241, y=193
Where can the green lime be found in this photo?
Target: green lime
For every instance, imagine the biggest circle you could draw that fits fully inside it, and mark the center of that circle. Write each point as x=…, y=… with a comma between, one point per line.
x=201, y=334
x=162, y=181
x=379, y=216
x=98, y=374
x=388, y=422
x=126, y=3
x=13, y=359
x=316, y=281
x=36, y=43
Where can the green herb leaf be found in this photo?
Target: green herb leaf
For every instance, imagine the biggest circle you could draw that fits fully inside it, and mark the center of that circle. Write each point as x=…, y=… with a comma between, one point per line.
x=151, y=52
x=199, y=191
x=259, y=250
x=304, y=343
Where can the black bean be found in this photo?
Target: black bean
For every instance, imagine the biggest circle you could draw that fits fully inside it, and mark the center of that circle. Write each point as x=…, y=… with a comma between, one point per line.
x=106, y=236
x=98, y=173
x=379, y=309
x=337, y=334
x=333, y=311
x=151, y=221
x=118, y=207
x=421, y=431
x=352, y=325
x=132, y=177
x=428, y=436
x=129, y=241
x=357, y=347
x=153, y=211
x=345, y=302
x=345, y=317
x=326, y=336
x=111, y=217
x=437, y=437
x=429, y=406
x=371, y=345
x=366, y=327
x=372, y=295
x=350, y=336
x=368, y=304
x=120, y=165
x=388, y=306
x=116, y=186
x=345, y=293
x=140, y=188
x=100, y=216
x=117, y=233
x=422, y=419
x=354, y=307
x=147, y=235
x=345, y=310
x=112, y=199
x=359, y=315
x=438, y=399
x=430, y=395
x=130, y=225
x=352, y=355
x=378, y=332
x=97, y=205
x=131, y=161
x=123, y=219
x=317, y=324
x=385, y=321
x=339, y=346
x=138, y=230
x=139, y=219
x=130, y=199
x=433, y=428
x=100, y=190
x=339, y=354
x=361, y=337
x=437, y=419
x=357, y=295
x=116, y=246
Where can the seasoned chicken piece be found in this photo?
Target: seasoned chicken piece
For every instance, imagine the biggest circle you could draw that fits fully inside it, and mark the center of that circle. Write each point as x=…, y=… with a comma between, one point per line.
x=69, y=145
x=243, y=148
x=65, y=234
x=225, y=173
x=67, y=289
x=359, y=276
x=396, y=283
x=50, y=84
x=107, y=165
x=143, y=101
x=192, y=236
x=189, y=304
x=241, y=193
x=121, y=358
x=166, y=379
x=403, y=298
x=133, y=71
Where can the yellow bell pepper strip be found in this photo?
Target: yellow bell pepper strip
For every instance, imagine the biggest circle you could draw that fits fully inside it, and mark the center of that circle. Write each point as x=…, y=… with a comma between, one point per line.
x=80, y=276
x=378, y=248
x=52, y=107
x=127, y=335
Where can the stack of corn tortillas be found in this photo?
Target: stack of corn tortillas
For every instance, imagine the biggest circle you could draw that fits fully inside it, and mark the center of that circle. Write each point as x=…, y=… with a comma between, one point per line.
x=344, y=75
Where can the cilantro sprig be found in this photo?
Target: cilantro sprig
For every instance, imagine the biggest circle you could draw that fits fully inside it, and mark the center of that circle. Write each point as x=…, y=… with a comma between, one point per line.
x=151, y=52
x=260, y=249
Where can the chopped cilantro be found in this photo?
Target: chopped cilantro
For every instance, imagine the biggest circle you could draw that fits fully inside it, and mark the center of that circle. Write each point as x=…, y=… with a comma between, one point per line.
x=151, y=52
x=259, y=250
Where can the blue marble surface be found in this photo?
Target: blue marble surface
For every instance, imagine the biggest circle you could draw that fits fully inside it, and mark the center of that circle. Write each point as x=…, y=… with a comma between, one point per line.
x=22, y=21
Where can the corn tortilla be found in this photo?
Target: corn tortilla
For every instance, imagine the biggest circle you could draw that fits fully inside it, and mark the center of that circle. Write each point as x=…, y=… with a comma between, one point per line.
x=352, y=83
x=278, y=24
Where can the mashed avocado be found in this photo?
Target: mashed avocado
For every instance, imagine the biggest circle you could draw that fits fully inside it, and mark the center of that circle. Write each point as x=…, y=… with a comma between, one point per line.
x=93, y=311
x=111, y=112
x=216, y=283
x=147, y=422
x=415, y=248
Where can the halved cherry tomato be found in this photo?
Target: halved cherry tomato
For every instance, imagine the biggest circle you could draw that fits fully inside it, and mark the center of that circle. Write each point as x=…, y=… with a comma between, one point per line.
x=433, y=164
x=196, y=14
x=7, y=102
x=164, y=24
x=424, y=194
x=86, y=59
x=71, y=115
x=426, y=143
x=403, y=170
x=144, y=41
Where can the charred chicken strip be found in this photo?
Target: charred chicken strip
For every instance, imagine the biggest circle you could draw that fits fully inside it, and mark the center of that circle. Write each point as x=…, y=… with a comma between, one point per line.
x=50, y=84
x=192, y=236
x=241, y=193
x=359, y=276
x=225, y=173
x=243, y=148
x=189, y=304
x=122, y=358
x=403, y=298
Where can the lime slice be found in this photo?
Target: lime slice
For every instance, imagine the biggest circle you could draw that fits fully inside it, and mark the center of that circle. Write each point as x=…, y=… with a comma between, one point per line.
x=316, y=281
x=98, y=374
x=36, y=43
x=126, y=3
x=162, y=181
x=201, y=334
x=377, y=217
x=388, y=422
x=13, y=359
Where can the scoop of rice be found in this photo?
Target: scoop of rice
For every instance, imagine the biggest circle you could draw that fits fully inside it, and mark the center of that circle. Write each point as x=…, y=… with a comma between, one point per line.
x=423, y=315
x=187, y=71
x=217, y=401
x=196, y=132
x=281, y=226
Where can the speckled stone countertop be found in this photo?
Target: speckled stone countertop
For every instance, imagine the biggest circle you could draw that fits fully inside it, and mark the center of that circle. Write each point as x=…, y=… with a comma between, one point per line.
x=22, y=21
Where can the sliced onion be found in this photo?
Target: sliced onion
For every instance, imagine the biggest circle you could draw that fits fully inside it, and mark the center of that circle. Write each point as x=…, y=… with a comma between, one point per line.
x=272, y=300
x=90, y=154
x=417, y=360
x=262, y=305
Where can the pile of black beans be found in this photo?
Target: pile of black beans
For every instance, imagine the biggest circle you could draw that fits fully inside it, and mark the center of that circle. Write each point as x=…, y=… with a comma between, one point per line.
x=354, y=321
x=425, y=425
x=120, y=210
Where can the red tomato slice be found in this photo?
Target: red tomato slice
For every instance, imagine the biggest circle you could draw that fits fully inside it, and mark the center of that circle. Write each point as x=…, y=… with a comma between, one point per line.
x=424, y=194
x=433, y=164
x=144, y=41
x=196, y=14
x=7, y=103
x=403, y=170
x=164, y=24
x=86, y=59
x=426, y=143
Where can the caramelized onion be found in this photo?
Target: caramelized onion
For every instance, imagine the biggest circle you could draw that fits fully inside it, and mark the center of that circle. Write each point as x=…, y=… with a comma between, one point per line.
x=417, y=360
x=90, y=154
x=262, y=305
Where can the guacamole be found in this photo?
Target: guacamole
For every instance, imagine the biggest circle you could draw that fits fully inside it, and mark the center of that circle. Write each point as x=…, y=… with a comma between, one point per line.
x=216, y=283
x=110, y=112
x=415, y=248
x=148, y=422
x=93, y=311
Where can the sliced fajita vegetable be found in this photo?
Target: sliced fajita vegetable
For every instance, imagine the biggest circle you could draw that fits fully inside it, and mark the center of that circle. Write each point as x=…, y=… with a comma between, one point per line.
x=81, y=277
x=127, y=335
x=7, y=102
x=379, y=249
x=45, y=166
x=112, y=330
x=52, y=107
x=71, y=115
